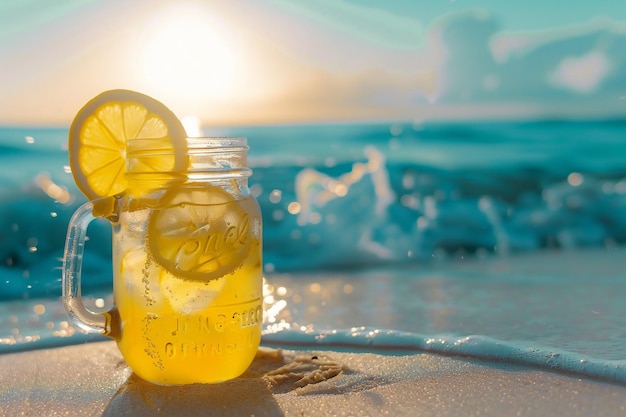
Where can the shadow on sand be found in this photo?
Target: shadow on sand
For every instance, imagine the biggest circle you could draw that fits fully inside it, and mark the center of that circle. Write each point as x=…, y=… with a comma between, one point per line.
x=242, y=396
x=253, y=393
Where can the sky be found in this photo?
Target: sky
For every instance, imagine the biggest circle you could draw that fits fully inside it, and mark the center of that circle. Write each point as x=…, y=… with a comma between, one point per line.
x=310, y=61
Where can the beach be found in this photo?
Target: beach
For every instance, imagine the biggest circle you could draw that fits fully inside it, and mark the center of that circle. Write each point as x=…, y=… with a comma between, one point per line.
x=552, y=356
x=476, y=289
x=93, y=380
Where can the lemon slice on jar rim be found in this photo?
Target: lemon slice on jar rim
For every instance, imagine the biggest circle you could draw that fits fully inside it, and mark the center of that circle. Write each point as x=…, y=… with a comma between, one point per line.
x=122, y=131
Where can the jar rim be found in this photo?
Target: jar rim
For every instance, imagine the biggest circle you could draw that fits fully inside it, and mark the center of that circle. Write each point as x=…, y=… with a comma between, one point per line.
x=217, y=142
x=206, y=157
x=194, y=146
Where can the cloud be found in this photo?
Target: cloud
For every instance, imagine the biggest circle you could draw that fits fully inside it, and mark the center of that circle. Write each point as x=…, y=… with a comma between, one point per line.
x=469, y=68
x=467, y=64
x=581, y=74
x=464, y=38
x=484, y=65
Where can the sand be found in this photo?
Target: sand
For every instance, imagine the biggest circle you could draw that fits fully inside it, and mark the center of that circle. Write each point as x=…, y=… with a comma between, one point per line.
x=93, y=380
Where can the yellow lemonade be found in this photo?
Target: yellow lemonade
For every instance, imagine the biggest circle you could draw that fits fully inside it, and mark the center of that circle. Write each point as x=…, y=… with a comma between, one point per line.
x=189, y=299
x=187, y=277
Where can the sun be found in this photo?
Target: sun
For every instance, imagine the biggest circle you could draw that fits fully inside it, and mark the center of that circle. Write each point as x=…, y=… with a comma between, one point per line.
x=187, y=52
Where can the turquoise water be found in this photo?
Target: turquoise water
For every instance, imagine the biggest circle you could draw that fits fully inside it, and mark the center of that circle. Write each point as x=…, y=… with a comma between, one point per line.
x=494, y=240
x=562, y=310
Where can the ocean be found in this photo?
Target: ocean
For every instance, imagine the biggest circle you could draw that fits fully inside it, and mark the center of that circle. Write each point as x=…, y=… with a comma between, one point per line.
x=496, y=240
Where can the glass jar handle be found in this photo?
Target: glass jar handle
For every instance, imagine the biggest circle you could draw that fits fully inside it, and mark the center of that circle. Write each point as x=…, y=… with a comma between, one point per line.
x=81, y=316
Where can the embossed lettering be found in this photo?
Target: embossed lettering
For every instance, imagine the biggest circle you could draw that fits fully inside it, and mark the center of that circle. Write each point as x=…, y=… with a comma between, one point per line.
x=239, y=319
x=211, y=242
x=200, y=324
x=184, y=350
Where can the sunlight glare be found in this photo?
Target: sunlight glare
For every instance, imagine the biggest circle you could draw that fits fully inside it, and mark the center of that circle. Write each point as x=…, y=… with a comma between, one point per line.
x=188, y=52
x=192, y=126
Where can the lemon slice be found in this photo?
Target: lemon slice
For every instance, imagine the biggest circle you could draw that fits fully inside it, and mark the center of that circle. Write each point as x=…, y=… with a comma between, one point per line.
x=199, y=234
x=120, y=131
